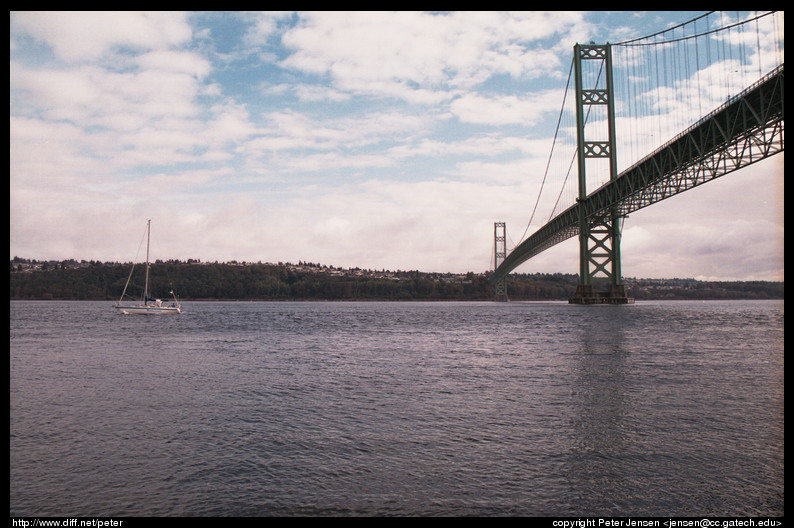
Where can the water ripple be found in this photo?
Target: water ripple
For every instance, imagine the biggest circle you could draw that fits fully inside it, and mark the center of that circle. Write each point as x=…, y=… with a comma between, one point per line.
x=345, y=409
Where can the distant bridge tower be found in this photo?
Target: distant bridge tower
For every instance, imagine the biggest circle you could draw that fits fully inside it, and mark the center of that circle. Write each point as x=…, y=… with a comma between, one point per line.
x=500, y=253
x=599, y=236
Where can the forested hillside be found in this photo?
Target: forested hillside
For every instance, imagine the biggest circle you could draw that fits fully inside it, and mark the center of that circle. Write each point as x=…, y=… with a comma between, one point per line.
x=73, y=280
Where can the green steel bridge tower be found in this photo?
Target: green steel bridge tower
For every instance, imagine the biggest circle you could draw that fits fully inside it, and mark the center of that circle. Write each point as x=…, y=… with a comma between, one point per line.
x=599, y=235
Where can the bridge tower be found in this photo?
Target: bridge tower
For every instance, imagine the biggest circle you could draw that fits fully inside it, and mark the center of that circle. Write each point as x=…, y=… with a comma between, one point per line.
x=500, y=253
x=599, y=236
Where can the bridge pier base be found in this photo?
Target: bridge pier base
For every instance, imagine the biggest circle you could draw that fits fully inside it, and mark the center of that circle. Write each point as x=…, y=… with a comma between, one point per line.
x=585, y=294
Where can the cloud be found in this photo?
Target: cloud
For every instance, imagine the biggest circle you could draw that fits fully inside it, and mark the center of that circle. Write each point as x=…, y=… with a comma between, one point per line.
x=504, y=110
x=81, y=35
x=420, y=56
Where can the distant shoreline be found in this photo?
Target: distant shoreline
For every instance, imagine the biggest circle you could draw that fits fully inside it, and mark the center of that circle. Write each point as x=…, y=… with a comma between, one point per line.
x=239, y=282
x=407, y=301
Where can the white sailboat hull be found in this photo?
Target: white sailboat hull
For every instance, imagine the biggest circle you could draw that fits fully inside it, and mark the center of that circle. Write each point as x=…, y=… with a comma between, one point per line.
x=147, y=310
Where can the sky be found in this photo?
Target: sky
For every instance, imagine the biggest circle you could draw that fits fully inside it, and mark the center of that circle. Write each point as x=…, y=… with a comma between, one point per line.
x=378, y=140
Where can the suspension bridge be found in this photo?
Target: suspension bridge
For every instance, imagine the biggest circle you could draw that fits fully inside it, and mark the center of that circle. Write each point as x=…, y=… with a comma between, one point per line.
x=631, y=104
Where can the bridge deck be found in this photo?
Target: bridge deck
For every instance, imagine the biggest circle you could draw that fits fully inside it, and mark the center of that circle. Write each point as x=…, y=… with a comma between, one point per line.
x=746, y=129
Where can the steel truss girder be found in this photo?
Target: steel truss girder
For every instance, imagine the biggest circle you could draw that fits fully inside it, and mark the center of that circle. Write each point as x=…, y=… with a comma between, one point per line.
x=745, y=130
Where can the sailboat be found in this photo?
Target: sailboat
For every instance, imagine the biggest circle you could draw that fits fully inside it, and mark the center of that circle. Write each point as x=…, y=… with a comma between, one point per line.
x=148, y=305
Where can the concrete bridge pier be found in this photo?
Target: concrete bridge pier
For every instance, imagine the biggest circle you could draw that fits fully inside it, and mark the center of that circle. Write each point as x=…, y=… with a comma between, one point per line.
x=585, y=294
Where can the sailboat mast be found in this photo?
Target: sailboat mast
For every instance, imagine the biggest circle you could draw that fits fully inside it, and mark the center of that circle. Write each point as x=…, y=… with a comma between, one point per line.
x=146, y=284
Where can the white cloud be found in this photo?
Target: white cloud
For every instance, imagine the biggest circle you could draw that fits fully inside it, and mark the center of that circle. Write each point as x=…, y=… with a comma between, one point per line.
x=175, y=62
x=403, y=54
x=82, y=35
x=510, y=109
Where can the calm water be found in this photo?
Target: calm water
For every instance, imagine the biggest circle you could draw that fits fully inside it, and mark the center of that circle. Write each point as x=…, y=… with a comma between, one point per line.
x=253, y=409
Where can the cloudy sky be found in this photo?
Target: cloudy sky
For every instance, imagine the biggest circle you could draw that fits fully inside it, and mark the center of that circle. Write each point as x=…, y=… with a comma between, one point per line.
x=372, y=140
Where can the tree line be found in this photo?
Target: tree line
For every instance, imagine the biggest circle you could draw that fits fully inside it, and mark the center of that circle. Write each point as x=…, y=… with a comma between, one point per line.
x=192, y=280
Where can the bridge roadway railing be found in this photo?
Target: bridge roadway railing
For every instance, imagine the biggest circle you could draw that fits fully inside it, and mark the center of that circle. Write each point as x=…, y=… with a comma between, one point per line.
x=746, y=129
